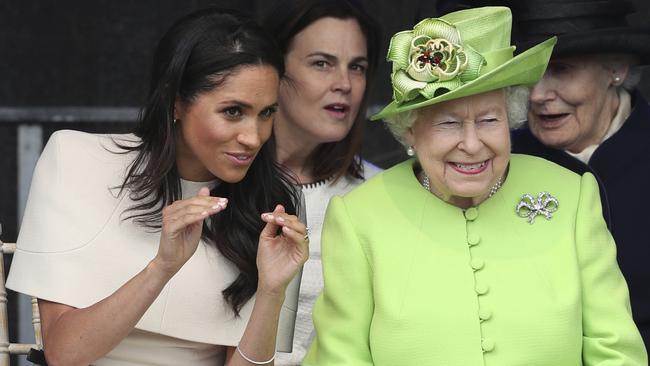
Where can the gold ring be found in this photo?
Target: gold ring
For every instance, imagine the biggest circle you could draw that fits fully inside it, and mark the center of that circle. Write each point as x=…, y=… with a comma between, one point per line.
x=306, y=238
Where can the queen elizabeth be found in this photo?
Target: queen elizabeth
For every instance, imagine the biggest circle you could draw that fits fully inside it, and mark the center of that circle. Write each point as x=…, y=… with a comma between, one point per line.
x=467, y=254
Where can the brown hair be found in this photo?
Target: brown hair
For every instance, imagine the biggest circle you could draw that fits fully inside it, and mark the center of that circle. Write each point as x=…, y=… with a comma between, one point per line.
x=288, y=18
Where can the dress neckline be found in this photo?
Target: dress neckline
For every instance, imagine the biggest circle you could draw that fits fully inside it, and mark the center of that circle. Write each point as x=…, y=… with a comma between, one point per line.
x=190, y=188
x=315, y=184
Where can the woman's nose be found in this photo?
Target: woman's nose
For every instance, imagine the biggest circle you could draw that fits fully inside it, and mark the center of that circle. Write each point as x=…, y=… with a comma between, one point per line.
x=250, y=136
x=342, y=82
x=470, y=141
x=542, y=91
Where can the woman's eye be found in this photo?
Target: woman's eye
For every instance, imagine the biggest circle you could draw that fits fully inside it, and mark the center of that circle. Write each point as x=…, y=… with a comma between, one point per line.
x=358, y=67
x=321, y=64
x=232, y=112
x=558, y=68
x=448, y=123
x=268, y=113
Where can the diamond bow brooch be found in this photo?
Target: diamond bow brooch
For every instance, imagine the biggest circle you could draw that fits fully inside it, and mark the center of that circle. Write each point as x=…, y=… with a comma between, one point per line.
x=545, y=204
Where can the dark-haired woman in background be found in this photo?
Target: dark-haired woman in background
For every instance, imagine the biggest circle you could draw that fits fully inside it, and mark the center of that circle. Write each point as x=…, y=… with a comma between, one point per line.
x=330, y=48
x=150, y=248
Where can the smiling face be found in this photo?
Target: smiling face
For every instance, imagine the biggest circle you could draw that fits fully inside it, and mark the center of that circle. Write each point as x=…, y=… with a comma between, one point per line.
x=463, y=146
x=220, y=132
x=326, y=77
x=573, y=105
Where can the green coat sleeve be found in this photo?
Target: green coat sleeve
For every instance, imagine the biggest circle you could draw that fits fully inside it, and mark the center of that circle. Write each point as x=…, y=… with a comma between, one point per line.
x=610, y=336
x=343, y=311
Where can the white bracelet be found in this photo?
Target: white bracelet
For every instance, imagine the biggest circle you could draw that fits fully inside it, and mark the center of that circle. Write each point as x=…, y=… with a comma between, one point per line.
x=255, y=362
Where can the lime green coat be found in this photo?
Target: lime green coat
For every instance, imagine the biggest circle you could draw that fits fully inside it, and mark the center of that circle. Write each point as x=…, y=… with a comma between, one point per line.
x=412, y=280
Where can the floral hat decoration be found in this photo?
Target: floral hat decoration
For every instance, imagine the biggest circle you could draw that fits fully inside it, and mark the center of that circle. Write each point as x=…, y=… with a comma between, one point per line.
x=460, y=54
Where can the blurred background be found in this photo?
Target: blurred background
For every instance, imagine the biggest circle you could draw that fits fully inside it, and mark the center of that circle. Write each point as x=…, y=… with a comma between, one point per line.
x=84, y=65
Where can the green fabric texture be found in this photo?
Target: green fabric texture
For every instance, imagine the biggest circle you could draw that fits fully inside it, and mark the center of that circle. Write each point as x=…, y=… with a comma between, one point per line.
x=460, y=54
x=412, y=280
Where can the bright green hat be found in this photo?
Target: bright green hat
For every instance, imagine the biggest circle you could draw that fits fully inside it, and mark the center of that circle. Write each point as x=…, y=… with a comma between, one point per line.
x=460, y=54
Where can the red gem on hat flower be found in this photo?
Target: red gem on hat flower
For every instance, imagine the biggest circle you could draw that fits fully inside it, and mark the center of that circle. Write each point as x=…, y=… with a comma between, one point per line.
x=425, y=57
x=437, y=58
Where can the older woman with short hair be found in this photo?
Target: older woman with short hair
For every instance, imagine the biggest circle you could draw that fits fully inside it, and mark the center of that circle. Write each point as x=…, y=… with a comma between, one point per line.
x=587, y=115
x=468, y=254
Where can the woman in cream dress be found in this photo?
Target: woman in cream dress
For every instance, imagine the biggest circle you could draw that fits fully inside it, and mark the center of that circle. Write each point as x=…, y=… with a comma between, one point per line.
x=173, y=245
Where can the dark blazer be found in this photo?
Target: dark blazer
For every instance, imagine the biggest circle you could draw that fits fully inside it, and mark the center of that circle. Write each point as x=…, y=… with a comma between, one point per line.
x=621, y=165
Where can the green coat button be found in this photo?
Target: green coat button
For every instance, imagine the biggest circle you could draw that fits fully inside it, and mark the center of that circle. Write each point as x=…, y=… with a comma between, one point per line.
x=471, y=213
x=487, y=345
x=484, y=314
x=481, y=289
x=473, y=239
x=477, y=263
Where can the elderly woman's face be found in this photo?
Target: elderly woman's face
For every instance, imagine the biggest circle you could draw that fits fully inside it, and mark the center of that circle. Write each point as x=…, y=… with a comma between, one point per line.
x=463, y=146
x=573, y=105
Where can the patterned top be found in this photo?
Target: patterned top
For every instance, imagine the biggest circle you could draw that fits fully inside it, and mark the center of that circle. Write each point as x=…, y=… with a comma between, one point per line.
x=317, y=196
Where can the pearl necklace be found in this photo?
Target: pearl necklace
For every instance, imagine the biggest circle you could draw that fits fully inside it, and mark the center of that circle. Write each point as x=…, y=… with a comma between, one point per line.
x=426, y=183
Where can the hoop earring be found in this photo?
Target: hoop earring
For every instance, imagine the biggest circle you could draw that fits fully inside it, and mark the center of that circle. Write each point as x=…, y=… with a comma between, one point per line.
x=410, y=151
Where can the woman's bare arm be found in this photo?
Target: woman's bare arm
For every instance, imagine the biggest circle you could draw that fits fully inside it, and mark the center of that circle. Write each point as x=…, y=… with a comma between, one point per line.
x=79, y=336
x=74, y=336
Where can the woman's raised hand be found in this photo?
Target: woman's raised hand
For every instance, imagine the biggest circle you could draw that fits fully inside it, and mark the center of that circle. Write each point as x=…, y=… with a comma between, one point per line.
x=283, y=248
x=182, y=223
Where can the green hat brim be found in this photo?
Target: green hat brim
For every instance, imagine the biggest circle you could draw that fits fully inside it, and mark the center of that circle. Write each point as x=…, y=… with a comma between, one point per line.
x=526, y=68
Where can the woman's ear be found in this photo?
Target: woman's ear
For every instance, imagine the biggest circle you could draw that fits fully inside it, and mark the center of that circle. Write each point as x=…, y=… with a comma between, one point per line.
x=178, y=109
x=409, y=138
x=619, y=70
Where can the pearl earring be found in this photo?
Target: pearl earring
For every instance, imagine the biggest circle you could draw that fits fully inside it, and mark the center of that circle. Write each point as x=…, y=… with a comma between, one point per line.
x=617, y=79
x=410, y=151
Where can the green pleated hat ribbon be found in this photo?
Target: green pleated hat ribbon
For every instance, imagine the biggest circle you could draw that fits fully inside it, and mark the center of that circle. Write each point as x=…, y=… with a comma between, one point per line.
x=430, y=60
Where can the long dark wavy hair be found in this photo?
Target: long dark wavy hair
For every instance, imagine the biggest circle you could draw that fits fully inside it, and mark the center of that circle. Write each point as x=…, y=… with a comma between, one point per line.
x=288, y=18
x=194, y=57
